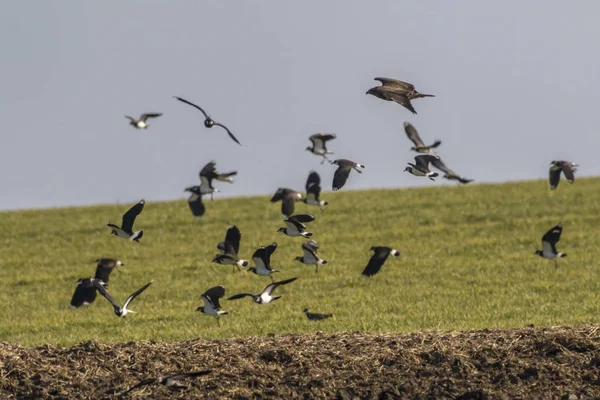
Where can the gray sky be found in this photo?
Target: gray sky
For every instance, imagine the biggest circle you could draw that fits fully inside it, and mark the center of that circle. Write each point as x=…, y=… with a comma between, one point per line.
x=516, y=86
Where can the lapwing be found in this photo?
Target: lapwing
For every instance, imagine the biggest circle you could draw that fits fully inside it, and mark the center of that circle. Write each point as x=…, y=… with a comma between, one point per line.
x=230, y=248
x=126, y=228
x=316, y=316
x=319, y=144
x=566, y=167
x=295, y=225
x=262, y=259
x=378, y=259
x=266, y=296
x=398, y=91
x=195, y=201
x=208, y=121
x=140, y=123
x=121, y=311
x=313, y=191
x=170, y=381
x=341, y=174
x=310, y=257
x=549, y=241
x=421, y=168
x=288, y=198
x=105, y=267
x=414, y=137
x=211, y=302
x=448, y=173
x=85, y=292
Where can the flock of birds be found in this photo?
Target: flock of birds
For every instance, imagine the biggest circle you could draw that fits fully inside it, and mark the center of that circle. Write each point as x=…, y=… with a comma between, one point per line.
x=390, y=90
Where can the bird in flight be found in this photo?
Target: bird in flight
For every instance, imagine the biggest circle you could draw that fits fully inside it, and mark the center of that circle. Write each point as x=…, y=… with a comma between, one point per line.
x=381, y=253
x=211, y=303
x=398, y=91
x=421, y=168
x=414, y=137
x=566, y=167
x=105, y=267
x=310, y=256
x=170, y=381
x=230, y=248
x=288, y=198
x=208, y=121
x=85, y=292
x=313, y=190
x=549, y=241
x=295, y=225
x=319, y=144
x=140, y=123
x=121, y=311
x=341, y=174
x=316, y=316
x=262, y=259
x=266, y=296
x=448, y=173
x=126, y=228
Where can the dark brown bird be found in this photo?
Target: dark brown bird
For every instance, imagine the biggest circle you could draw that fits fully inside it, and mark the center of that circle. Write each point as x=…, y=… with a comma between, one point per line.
x=316, y=316
x=398, y=91
x=566, y=167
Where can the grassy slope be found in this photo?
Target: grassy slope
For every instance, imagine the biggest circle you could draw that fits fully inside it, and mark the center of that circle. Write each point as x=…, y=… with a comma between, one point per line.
x=467, y=263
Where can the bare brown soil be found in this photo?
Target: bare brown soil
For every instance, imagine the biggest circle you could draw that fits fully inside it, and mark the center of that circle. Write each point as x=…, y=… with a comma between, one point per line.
x=559, y=362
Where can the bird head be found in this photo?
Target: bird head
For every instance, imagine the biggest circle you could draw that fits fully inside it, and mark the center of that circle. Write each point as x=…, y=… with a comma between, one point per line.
x=308, y=148
x=216, y=259
x=251, y=269
x=298, y=259
x=413, y=148
x=539, y=253
x=335, y=162
x=306, y=310
x=407, y=169
x=281, y=229
x=209, y=123
x=372, y=91
x=201, y=309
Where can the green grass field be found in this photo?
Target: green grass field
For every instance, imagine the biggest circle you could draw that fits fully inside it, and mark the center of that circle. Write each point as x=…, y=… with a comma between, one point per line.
x=467, y=262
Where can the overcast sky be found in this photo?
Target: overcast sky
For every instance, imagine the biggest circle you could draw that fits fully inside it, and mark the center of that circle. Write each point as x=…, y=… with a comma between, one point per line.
x=516, y=86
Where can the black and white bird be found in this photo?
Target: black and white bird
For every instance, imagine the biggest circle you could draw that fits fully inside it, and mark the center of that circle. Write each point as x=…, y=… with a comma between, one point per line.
x=310, y=257
x=266, y=296
x=207, y=174
x=313, y=190
x=316, y=316
x=295, y=225
x=341, y=174
x=170, y=381
x=85, y=292
x=549, y=241
x=448, y=173
x=126, y=228
x=121, y=311
x=378, y=259
x=208, y=121
x=288, y=198
x=262, y=259
x=140, y=123
x=230, y=248
x=398, y=91
x=566, y=167
x=414, y=137
x=319, y=144
x=104, y=268
x=195, y=203
x=211, y=303
x=421, y=168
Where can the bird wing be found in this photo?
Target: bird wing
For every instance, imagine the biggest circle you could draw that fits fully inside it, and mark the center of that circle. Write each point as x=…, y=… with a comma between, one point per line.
x=439, y=164
x=192, y=104
x=196, y=205
x=377, y=260
x=104, y=293
x=288, y=202
x=213, y=295
x=232, y=240
x=294, y=224
x=340, y=177
x=568, y=171
x=422, y=161
x=310, y=245
x=142, y=383
x=302, y=218
x=313, y=179
x=209, y=171
x=130, y=118
x=413, y=134
x=84, y=292
x=136, y=293
x=271, y=287
x=226, y=176
x=240, y=296
x=318, y=142
x=130, y=215
x=183, y=375
x=145, y=116
x=228, y=132
x=396, y=84
x=554, y=178
x=260, y=257
x=403, y=101
x=553, y=235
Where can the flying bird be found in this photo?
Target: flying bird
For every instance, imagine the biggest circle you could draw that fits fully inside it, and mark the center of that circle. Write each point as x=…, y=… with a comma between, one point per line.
x=266, y=296
x=341, y=174
x=313, y=190
x=549, y=241
x=105, y=267
x=208, y=121
x=126, y=229
x=566, y=167
x=414, y=137
x=211, y=302
x=262, y=259
x=288, y=198
x=448, y=173
x=229, y=249
x=319, y=144
x=315, y=316
x=378, y=259
x=140, y=123
x=85, y=292
x=310, y=257
x=295, y=225
x=121, y=311
x=195, y=201
x=421, y=168
x=398, y=91
x=170, y=381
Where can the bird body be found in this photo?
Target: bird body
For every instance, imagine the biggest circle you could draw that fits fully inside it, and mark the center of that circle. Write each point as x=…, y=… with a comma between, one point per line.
x=310, y=256
x=295, y=225
x=211, y=303
x=421, y=168
x=288, y=198
x=126, y=228
x=121, y=311
x=316, y=316
x=549, y=241
x=343, y=171
x=380, y=255
x=85, y=292
x=319, y=144
x=266, y=296
x=105, y=267
x=229, y=249
x=313, y=190
x=566, y=167
x=141, y=123
x=262, y=260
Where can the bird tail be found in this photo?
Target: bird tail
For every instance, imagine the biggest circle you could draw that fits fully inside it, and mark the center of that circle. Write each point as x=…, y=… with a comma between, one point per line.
x=242, y=263
x=307, y=234
x=395, y=253
x=417, y=95
x=137, y=236
x=322, y=262
x=436, y=143
x=561, y=255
